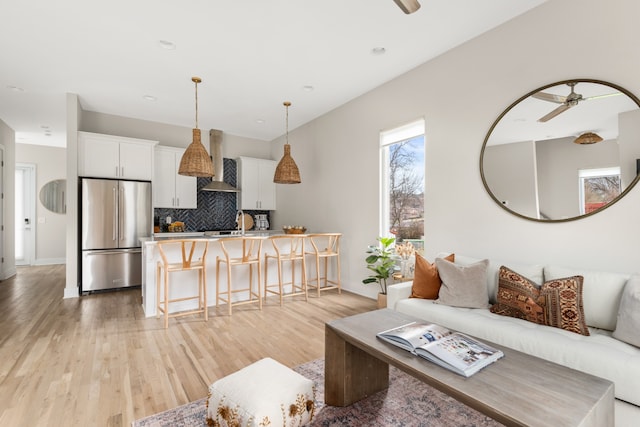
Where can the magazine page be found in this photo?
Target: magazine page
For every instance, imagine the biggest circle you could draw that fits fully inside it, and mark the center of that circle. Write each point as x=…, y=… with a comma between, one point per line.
x=414, y=335
x=462, y=352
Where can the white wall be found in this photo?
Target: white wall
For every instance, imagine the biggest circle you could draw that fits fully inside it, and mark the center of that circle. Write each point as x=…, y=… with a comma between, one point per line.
x=50, y=164
x=460, y=94
x=510, y=173
x=7, y=145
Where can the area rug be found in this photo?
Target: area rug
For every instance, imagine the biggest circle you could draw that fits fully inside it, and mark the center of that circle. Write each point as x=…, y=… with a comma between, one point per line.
x=407, y=402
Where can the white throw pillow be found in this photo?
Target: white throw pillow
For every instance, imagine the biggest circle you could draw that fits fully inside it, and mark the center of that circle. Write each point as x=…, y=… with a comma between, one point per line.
x=463, y=286
x=628, y=326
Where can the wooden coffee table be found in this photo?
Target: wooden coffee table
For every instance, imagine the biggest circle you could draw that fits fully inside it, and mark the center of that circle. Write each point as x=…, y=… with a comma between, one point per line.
x=517, y=390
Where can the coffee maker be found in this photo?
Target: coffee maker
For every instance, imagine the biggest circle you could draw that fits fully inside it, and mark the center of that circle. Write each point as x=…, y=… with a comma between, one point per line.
x=262, y=223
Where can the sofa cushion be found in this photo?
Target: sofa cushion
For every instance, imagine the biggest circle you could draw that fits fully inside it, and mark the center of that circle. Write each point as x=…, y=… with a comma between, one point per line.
x=533, y=272
x=426, y=280
x=517, y=297
x=463, y=286
x=601, y=293
x=628, y=326
x=563, y=307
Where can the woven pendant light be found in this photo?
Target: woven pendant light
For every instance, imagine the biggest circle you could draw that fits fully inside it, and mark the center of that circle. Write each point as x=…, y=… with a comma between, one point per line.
x=195, y=160
x=287, y=171
x=588, y=138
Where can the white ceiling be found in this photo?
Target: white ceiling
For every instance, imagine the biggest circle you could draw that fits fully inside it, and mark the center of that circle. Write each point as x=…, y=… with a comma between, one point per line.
x=251, y=55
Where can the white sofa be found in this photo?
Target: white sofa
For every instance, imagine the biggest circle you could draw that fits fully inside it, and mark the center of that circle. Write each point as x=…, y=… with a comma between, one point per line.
x=598, y=354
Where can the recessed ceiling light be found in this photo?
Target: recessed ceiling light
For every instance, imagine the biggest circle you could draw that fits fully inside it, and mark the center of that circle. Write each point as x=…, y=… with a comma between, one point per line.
x=308, y=88
x=150, y=97
x=165, y=44
x=378, y=51
x=260, y=121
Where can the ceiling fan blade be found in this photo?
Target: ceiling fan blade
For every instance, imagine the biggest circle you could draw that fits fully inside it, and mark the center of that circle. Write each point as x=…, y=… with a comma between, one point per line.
x=558, y=99
x=562, y=108
x=606, y=95
x=408, y=6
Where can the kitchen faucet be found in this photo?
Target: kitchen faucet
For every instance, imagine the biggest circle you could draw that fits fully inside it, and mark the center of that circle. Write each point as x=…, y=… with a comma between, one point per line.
x=240, y=221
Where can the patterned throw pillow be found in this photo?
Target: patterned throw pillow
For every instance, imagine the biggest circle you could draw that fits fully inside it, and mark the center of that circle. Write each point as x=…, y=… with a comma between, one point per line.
x=563, y=304
x=426, y=280
x=517, y=297
x=556, y=303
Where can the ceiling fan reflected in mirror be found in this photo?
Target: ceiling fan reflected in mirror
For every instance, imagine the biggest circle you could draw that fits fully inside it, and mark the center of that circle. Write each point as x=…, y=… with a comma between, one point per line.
x=565, y=102
x=408, y=6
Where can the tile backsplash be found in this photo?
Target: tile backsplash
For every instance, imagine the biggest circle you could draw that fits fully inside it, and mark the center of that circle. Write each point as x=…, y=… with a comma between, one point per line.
x=216, y=210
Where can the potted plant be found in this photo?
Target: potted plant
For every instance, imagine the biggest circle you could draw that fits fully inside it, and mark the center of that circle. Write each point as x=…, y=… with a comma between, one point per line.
x=381, y=261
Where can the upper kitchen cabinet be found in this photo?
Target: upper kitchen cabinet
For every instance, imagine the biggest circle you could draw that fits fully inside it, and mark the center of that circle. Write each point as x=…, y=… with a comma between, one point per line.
x=109, y=156
x=257, y=190
x=171, y=190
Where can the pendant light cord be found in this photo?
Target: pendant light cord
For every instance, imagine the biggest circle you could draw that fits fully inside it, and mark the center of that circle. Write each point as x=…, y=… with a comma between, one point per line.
x=287, y=104
x=196, y=103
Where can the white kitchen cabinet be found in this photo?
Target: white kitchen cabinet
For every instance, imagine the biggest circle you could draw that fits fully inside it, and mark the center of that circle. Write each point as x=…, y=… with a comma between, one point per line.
x=257, y=189
x=109, y=156
x=171, y=190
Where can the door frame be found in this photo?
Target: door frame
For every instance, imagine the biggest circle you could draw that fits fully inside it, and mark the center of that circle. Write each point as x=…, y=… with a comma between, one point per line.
x=29, y=191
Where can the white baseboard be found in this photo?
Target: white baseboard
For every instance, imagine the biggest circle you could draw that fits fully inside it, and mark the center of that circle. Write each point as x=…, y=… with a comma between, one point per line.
x=50, y=261
x=9, y=273
x=71, y=292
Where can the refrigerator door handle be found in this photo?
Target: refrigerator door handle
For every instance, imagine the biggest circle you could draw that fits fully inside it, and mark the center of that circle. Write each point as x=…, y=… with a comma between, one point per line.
x=114, y=225
x=121, y=216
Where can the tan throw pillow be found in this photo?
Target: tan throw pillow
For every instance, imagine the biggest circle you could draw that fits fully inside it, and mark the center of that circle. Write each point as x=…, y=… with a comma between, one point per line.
x=426, y=280
x=518, y=297
x=628, y=324
x=463, y=286
x=563, y=304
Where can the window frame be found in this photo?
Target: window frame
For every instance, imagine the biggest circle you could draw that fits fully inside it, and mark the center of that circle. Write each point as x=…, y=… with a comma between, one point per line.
x=388, y=137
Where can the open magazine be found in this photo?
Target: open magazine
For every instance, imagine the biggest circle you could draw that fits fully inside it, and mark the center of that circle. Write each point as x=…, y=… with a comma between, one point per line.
x=455, y=351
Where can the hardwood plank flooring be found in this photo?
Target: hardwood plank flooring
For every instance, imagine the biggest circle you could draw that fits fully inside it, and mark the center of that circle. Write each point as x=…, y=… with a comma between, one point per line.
x=97, y=361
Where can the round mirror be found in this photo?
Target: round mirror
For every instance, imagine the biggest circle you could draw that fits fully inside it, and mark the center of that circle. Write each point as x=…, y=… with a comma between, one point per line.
x=52, y=195
x=564, y=151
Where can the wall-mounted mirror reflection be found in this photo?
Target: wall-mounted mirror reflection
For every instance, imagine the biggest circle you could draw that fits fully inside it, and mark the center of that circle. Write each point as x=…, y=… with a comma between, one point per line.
x=563, y=151
x=52, y=195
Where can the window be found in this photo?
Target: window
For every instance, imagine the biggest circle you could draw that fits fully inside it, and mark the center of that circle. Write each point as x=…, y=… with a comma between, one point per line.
x=402, y=189
x=598, y=187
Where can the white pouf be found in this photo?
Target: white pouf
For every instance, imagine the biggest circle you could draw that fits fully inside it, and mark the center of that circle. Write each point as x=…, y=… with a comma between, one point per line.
x=265, y=393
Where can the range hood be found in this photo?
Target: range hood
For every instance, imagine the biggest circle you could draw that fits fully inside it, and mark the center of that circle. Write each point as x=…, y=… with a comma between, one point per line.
x=215, y=148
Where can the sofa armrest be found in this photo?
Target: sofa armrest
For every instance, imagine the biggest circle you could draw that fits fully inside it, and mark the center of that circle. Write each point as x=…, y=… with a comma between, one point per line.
x=396, y=292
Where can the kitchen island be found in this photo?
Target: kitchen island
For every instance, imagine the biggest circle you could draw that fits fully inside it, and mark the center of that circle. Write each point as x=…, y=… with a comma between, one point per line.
x=187, y=282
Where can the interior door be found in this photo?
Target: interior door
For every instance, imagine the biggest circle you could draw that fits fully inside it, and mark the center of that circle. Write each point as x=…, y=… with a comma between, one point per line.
x=25, y=232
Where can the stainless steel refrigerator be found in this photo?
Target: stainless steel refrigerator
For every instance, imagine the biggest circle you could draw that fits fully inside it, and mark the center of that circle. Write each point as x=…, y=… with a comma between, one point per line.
x=115, y=214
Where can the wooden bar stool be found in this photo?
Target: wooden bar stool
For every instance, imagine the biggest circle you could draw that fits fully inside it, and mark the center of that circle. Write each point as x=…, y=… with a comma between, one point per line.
x=288, y=248
x=239, y=251
x=323, y=247
x=181, y=255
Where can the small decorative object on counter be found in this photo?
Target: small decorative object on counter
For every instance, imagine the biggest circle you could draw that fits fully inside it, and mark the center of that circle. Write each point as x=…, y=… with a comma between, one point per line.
x=406, y=251
x=176, y=227
x=294, y=229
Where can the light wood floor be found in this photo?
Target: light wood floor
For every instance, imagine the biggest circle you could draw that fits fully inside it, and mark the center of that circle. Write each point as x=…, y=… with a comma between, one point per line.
x=97, y=361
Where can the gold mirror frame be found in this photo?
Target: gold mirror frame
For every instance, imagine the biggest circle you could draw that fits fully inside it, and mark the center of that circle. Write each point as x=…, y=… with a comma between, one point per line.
x=518, y=101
